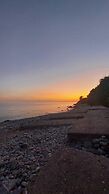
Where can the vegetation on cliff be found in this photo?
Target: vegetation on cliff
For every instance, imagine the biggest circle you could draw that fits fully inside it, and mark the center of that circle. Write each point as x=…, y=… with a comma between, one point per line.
x=98, y=95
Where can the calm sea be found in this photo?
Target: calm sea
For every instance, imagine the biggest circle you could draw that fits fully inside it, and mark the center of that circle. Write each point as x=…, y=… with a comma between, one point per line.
x=20, y=110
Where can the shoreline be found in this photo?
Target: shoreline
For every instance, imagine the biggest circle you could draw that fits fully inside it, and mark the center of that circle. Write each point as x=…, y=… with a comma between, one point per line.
x=15, y=112
x=28, y=144
x=25, y=120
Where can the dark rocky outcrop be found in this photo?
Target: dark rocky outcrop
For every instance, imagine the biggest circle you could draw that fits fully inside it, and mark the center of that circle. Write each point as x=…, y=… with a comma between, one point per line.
x=98, y=95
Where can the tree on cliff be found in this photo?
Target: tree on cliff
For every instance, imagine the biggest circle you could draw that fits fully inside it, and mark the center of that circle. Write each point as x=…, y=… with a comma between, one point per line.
x=100, y=94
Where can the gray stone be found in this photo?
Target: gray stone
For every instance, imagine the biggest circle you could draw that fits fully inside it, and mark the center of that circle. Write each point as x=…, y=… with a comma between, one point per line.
x=96, y=145
x=84, y=149
x=97, y=140
x=24, y=183
x=17, y=191
x=38, y=169
x=103, y=143
x=23, y=145
x=103, y=136
x=49, y=154
x=87, y=144
x=100, y=151
x=3, y=189
x=10, y=184
x=2, y=178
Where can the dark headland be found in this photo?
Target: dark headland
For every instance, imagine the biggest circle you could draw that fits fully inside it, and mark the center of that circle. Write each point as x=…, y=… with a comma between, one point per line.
x=60, y=153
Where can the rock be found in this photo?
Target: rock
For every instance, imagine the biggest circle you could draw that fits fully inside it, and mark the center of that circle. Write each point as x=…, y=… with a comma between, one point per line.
x=69, y=107
x=25, y=174
x=2, y=178
x=86, y=168
x=10, y=184
x=6, y=121
x=38, y=140
x=100, y=151
x=38, y=169
x=23, y=145
x=84, y=149
x=96, y=145
x=103, y=143
x=35, y=171
x=78, y=146
x=87, y=144
x=3, y=189
x=49, y=154
x=24, y=184
x=97, y=140
x=17, y=191
x=25, y=134
x=106, y=148
x=103, y=136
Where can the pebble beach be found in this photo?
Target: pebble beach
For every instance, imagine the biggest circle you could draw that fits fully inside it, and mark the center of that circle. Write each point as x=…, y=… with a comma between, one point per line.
x=28, y=144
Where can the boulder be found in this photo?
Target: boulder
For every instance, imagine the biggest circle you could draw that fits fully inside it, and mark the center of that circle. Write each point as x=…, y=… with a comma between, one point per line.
x=74, y=172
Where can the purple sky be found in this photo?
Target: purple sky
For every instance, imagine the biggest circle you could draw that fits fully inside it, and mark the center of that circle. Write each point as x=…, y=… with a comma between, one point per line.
x=60, y=46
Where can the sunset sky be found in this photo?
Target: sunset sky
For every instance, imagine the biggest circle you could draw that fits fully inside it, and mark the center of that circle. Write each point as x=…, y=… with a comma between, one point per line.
x=52, y=49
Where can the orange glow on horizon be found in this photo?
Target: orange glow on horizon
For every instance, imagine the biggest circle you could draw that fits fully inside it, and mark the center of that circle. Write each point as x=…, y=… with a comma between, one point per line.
x=65, y=90
x=43, y=96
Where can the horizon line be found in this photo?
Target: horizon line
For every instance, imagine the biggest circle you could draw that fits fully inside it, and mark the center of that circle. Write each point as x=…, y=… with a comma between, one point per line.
x=4, y=101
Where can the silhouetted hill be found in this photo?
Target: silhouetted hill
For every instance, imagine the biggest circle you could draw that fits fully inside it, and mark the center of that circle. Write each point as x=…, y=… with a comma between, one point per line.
x=98, y=95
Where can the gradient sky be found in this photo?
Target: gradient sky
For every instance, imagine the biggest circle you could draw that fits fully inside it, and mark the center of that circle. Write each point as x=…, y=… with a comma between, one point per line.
x=52, y=49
